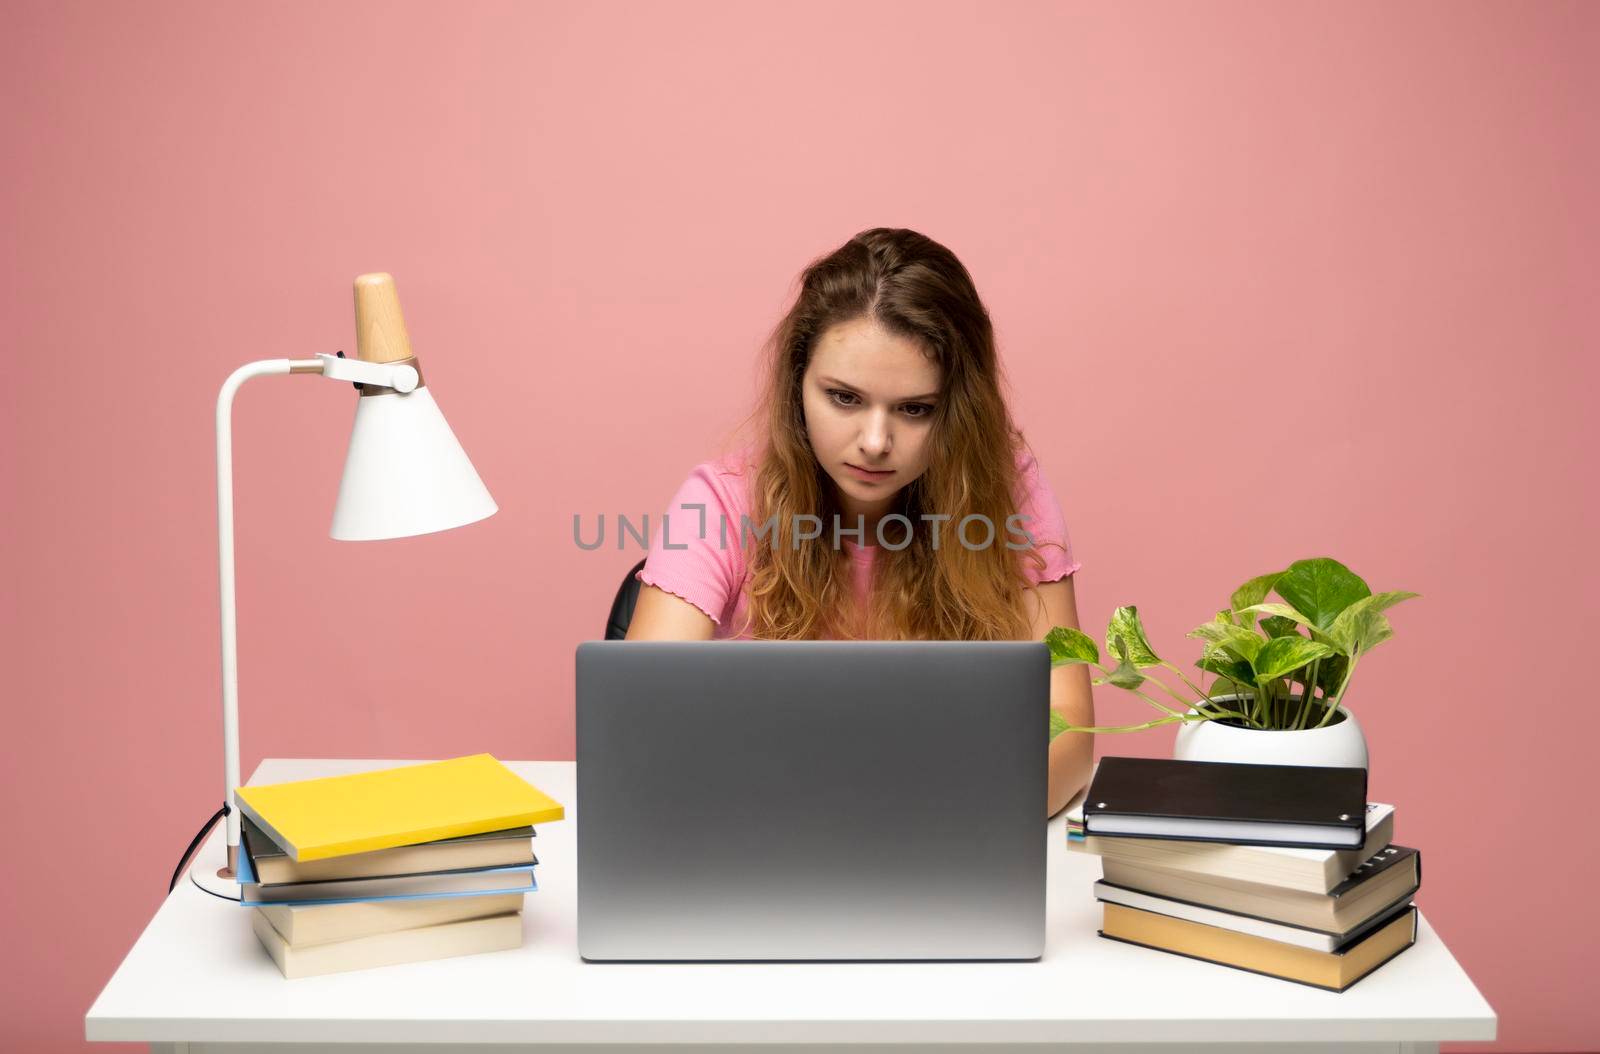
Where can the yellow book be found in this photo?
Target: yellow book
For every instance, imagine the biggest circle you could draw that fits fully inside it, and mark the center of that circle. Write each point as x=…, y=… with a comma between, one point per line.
x=336, y=815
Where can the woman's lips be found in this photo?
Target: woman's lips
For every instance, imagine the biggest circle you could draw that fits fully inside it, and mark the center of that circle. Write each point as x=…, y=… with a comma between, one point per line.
x=867, y=475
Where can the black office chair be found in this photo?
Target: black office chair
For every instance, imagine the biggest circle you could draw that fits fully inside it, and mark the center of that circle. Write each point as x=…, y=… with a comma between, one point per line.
x=622, y=607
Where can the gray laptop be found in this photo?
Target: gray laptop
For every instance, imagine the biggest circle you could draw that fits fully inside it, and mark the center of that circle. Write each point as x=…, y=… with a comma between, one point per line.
x=766, y=800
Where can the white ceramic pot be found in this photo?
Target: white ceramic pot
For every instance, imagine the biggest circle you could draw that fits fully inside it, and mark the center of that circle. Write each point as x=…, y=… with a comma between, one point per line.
x=1338, y=745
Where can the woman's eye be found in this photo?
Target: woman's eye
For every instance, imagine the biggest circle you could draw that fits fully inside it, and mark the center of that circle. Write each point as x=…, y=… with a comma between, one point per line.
x=918, y=409
x=842, y=398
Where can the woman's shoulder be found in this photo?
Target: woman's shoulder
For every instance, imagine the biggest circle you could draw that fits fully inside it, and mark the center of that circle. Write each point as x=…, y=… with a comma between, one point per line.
x=739, y=463
x=727, y=478
x=1030, y=477
x=695, y=552
x=1046, y=526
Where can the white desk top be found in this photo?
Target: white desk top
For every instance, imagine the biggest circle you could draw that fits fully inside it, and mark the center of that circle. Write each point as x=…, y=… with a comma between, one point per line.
x=197, y=974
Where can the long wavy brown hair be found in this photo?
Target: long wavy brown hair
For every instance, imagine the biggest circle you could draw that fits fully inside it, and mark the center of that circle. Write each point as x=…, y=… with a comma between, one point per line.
x=914, y=287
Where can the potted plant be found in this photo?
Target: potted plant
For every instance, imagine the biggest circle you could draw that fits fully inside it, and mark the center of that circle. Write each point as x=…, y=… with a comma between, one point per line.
x=1282, y=669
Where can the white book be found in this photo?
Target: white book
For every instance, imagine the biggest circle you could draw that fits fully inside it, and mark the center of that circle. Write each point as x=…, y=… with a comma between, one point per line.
x=1183, y=827
x=1227, y=920
x=305, y=924
x=467, y=937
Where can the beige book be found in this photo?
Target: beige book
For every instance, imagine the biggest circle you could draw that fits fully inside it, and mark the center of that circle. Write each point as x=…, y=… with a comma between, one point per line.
x=466, y=937
x=1334, y=970
x=1369, y=893
x=301, y=925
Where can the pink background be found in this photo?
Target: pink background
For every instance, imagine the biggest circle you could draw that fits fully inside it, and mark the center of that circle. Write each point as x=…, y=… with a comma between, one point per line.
x=1271, y=280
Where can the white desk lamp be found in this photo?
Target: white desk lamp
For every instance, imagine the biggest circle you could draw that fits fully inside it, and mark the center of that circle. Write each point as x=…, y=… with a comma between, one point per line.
x=405, y=474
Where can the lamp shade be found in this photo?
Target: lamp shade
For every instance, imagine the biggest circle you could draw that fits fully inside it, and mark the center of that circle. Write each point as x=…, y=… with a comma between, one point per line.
x=405, y=472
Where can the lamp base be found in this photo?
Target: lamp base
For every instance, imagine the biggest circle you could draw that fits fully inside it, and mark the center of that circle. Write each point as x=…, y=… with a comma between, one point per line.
x=210, y=868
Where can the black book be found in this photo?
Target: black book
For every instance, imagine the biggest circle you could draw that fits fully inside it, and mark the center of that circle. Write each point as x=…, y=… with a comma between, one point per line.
x=1214, y=801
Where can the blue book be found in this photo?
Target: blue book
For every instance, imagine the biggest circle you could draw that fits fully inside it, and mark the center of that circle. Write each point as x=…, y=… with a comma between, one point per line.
x=470, y=882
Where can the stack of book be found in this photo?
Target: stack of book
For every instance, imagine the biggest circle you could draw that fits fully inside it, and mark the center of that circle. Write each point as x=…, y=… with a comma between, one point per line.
x=398, y=865
x=1280, y=870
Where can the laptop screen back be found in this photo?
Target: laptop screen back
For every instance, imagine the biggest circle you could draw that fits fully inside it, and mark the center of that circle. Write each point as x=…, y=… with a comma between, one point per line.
x=763, y=800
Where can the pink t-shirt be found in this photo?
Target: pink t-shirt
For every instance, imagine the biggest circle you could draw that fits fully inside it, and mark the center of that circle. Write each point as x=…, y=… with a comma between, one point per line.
x=696, y=554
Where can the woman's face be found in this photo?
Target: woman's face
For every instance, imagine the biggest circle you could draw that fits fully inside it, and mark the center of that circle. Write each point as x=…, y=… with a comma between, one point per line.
x=869, y=397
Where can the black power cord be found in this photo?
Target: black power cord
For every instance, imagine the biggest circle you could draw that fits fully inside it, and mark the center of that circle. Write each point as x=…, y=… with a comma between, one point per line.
x=187, y=853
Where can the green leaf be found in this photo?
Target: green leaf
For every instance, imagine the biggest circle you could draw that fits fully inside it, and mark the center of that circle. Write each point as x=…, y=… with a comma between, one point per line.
x=1058, y=724
x=1254, y=592
x=1361, y=626
x=1285, y=611
x=1322, y=588
x=1277, y=610
x=1330, y=674
x=1366, y=631
x=1126, y=675
x=1278, y=626
x=1283, y=655
x=1240, y=642
x=1125, y=624
x=1069, y=646
x=1219, y=662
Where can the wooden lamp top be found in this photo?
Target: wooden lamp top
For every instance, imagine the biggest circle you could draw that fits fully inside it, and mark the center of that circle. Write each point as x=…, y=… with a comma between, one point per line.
x=380, y=327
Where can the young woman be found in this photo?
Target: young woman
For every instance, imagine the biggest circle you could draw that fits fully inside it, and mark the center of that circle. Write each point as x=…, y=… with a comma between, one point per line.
x=890, y=496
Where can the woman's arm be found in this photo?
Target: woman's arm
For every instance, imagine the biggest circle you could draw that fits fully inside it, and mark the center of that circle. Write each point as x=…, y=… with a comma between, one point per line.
x=658, y=615
x=1071, y=753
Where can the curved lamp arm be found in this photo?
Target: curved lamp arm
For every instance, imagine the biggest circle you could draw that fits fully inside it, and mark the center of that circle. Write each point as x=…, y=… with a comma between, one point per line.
x=402, y=378
x=230, y=640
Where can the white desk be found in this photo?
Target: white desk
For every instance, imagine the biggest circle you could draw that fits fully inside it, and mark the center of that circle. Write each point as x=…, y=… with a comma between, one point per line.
x=197, y=980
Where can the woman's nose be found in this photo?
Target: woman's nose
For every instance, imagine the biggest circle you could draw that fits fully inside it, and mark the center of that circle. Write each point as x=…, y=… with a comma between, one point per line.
x=875, y=435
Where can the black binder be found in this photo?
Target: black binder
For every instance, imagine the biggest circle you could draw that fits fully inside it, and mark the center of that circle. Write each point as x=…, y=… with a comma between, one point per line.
x=1214, y=801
